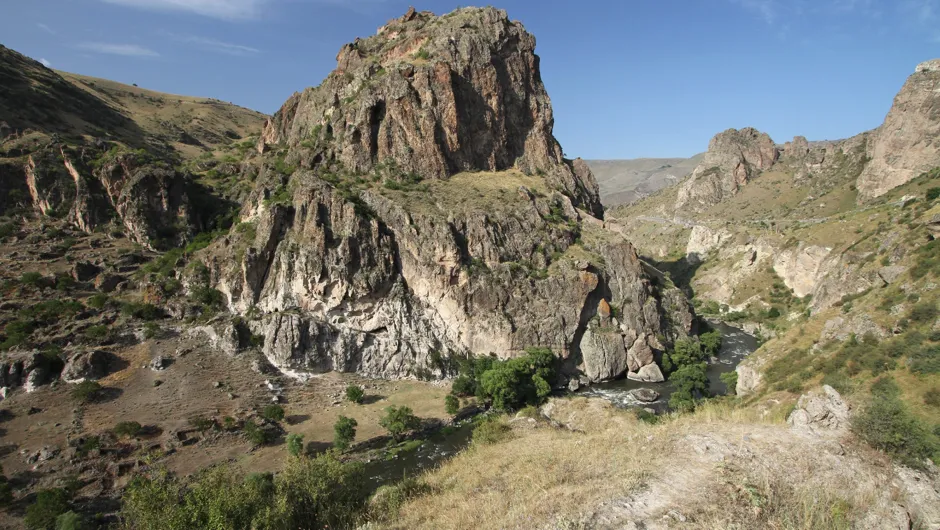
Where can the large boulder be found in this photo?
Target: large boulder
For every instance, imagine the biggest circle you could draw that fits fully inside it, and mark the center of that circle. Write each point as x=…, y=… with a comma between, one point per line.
x=647, y=374
x=820, y=410
x=604, y=355
x=87, y=366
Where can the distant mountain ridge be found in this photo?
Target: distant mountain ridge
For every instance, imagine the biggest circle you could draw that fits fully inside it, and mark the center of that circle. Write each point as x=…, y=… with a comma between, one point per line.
x=626, y=181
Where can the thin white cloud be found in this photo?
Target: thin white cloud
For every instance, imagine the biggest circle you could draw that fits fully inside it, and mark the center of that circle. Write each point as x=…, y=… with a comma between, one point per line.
x=45, y=63
x=45, y=28
x=128, y=50
x=215, y=46
x=225, y=9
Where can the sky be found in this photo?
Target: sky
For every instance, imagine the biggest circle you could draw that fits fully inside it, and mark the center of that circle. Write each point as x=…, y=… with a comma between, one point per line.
x=627, y=78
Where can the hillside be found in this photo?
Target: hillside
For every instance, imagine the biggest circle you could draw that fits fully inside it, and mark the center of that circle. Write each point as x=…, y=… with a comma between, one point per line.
x=626, y=181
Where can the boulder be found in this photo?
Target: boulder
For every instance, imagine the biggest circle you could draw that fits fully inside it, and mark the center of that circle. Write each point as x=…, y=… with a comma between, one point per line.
x=647, y=374
x=83, y=271
x=645, y=395
x=820, y=410
x=640, y=353
x=603, y=354
x=90, y=365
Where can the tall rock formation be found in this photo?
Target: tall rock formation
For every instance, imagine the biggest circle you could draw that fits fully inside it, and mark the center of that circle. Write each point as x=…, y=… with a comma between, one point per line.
x=907, y=144
x=415, y=208
x=733, y=158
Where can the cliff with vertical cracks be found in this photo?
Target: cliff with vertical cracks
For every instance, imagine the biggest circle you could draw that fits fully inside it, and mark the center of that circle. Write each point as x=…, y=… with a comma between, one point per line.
x=415, y=208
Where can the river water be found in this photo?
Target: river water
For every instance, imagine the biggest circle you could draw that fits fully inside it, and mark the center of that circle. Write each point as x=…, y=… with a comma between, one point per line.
x=735, y=346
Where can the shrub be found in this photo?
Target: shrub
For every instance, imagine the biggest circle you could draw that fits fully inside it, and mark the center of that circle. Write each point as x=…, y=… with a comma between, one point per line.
x=49, y=505
x=64, y=282
x=128, y=429
x=6, y=490
x=344, y=432
x=451, y=404
x=207, y=296
x=273, y=413
x=887, y=425
x=387, y=502
x=201, y=423
x=256, y=434
x=514, y=383
x=646, y=416
x=398, y=420
x=97, y=301
x=319, y=492
x=71, y=521
x=295, y=444
x=151, y=330
x=33, y=279
x=97, y=332
x=86, y=391
x=932, y=397
x=491, y=431
x=730, y=379
x=354, y=393
x=142, y=311
x=923, y=312
x=16, y=333
x=932, y=194
x=691, y=384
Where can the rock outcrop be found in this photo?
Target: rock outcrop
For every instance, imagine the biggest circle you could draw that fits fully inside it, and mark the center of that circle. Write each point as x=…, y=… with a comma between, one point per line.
x=907, y=144
x=799, y=267
x=733, y=158
x=820, y=410
x=432, y=217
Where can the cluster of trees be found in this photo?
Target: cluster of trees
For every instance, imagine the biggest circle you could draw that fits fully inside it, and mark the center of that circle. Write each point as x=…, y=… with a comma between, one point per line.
x=508, y=385
x=686, y=366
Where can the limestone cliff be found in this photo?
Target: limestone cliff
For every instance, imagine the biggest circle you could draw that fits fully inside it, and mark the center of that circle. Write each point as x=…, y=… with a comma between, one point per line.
x=908, y=143
x=415, y=208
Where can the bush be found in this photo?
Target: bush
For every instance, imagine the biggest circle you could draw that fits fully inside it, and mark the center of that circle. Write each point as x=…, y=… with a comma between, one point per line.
x=691, y=384
x=97, y=301
x=273, y=413
x=730, y=379
x=256, y=434
x=33, y=279
x=711, y=343
x=151, y=330
x=451, y=404
x=344, y=432
x=97, y=333
x=932, y=397
x=6, y=490
x=49, y=505
x=923, y=313
x=887, y=425
x=646, y=416
x=354, y=393
x=71, y=521
x=208, y=297
x=514, y=383
x=295, y=444
x=127, y=429
x=463, y=386
x=932, y=194
x=491, y=431
x=142, y=311
x=16, y=333
x=387, y=502
x=319, y=492
x=86, y=391
x=684, y=352
x=201, y=423
x=398, y=420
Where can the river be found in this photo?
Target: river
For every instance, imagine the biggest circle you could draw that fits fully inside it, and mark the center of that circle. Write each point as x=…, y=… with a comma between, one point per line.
x=735, y=346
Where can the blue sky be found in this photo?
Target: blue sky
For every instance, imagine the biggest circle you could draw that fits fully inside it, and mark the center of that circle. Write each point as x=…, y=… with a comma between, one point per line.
x=627, y=78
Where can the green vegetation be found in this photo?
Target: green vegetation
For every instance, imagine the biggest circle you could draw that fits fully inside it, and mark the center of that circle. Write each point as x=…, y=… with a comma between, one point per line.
x=355, y=394
x=127, y=429
x=97, y=333
x=97, y=301
x=151, y=330
x=142, y=311
x=490, y=431
x=451, y=404
x=318, y=492
x=399, y=420
x=71, y=521
x=295, y=444
x=273, y=413
x=201, y=423
x=344, y=432
x=256, y=434
x=49, y=505
x=6, y=490
x=388, y=500
x=886, y=424
x=730, y=379
x=86, y=391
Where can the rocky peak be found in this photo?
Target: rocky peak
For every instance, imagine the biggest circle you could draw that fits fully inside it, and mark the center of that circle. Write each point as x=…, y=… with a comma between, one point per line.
x=437, y=96
x=733, y=158
x=906, y=144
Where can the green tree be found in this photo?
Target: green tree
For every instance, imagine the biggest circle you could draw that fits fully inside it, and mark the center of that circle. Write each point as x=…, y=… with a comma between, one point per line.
x=711, y=343
x=49, y=505
x=354, y=393
x=684, y=352
x=344, y=432
x=730, y=379
x=691, y=383
x=295, y=444
x=451, y=404
x=71, y=521
x=399, y=420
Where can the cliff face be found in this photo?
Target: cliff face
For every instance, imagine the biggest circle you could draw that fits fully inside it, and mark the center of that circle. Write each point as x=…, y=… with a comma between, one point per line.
x=432, y=217
x=733, y=158
x=908, y=143
x=437, y=95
